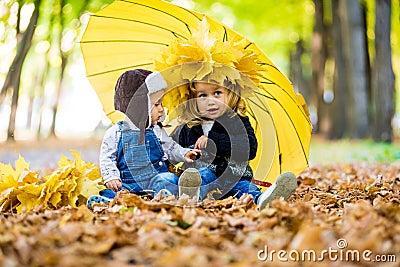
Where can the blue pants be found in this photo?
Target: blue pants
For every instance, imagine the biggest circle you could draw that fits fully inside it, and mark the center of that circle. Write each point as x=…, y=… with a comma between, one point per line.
x=164, y=180
x=229, y=187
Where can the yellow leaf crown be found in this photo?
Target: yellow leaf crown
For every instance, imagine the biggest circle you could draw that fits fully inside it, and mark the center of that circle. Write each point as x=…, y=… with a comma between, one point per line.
x=205, y=57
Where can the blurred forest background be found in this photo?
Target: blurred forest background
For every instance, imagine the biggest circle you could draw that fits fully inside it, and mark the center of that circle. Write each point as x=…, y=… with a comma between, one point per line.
x=342, y=55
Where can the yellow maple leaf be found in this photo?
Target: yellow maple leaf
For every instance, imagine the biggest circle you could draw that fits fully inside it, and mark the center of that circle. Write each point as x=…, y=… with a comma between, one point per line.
x=202, y=37
x=226, y=53
x=30, y=177
x=6, y=169
x=9, y=176
x=197, y=71
x=222, y=72
x=64, y=161
x=249, y=65
x=27, y=202
x=70, y=190
x=189, y=53
x=55, y=199
x=20, y=166
x=28, y=196
x=78, y=161
x=89, y=187
x=53, y=182
x=7, y=182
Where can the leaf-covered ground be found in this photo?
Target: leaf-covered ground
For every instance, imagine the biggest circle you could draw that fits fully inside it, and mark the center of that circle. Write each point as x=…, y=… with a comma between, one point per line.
x=339, y=211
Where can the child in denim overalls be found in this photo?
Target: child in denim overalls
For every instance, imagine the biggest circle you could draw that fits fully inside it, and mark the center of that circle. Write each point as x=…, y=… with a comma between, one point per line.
x=132, y=156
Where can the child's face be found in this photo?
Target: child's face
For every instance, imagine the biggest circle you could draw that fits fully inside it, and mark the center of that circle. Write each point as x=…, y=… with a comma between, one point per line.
x=212, y=99
x=157, y=109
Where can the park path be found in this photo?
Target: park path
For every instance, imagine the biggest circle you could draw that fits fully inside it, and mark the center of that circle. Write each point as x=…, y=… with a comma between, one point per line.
x=44, y=154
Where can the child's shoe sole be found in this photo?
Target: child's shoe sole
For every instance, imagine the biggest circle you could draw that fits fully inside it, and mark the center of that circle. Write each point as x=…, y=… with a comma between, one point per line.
x=189, y=183
x=284, y=186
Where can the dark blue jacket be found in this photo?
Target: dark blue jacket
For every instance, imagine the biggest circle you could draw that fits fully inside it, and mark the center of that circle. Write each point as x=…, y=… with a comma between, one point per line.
x=230, y=138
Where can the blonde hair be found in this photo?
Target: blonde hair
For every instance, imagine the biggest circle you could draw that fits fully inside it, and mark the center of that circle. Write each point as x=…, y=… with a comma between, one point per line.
x=191, y=115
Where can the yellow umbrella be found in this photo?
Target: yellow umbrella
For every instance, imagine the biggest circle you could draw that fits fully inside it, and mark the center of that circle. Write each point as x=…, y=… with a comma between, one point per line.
x=133, y=34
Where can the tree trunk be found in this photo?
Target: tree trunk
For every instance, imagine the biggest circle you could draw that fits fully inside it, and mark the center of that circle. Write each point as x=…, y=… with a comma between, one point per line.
x=59, y=24
x=318, y=61
x=55, y=107
x=355, y=59
x=14, y=75
x=296, y=72
x=382, y=75
x=39, y=95
x=64, y=61
x=367, y=65
x=8, y=83
x=338, y=114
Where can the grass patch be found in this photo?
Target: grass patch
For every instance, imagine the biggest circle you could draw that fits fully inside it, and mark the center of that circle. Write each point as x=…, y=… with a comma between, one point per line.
x=350, y=151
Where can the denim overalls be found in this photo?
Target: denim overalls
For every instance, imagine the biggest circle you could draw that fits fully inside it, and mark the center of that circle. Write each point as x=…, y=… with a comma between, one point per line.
x=142, y=166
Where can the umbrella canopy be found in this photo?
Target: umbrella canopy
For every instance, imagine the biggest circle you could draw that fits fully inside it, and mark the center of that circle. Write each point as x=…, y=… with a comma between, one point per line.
x=131, y=34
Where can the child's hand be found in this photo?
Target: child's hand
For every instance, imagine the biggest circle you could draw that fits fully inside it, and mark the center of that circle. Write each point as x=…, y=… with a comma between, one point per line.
x=193, y=154
x=114, y=185
x=201, y=143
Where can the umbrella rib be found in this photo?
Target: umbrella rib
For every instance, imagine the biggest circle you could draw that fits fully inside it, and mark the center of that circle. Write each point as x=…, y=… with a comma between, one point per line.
x=186, y=10
x=264, y=95
x=263, y=63
x=225, y=38
x=261, y=107
x=109, y=113
x=142, y=22
x=298, y=137
x=270, y=65
x=123, y=41
x=273, y=122
x=294, y=100
x=258, y=105
x=124, y=68
x=250, y=45
x=268, y=83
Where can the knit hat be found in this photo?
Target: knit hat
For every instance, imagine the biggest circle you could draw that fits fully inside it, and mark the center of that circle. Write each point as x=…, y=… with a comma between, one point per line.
x=132, y=96
x=155, y=82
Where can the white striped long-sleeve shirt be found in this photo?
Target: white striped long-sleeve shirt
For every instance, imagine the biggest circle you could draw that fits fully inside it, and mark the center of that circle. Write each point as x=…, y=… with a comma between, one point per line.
x=109, y=149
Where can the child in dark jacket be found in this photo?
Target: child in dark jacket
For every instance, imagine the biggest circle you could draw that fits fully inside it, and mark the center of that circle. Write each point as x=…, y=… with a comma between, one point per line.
x=214, y=121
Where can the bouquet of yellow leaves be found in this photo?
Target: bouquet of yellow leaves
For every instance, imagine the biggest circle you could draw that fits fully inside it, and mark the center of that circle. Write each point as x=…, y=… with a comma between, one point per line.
x=70, y=185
